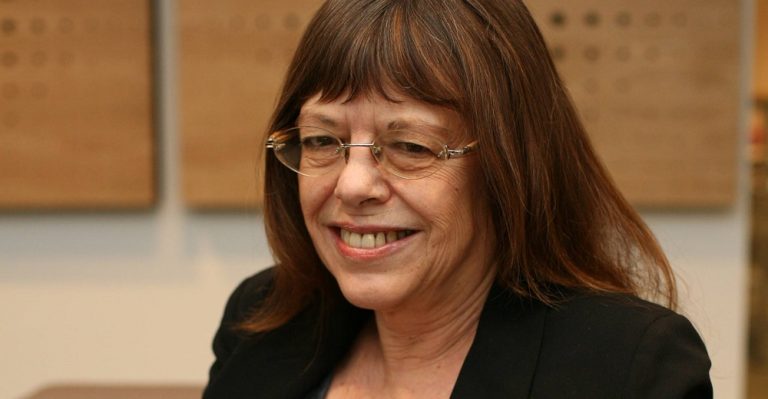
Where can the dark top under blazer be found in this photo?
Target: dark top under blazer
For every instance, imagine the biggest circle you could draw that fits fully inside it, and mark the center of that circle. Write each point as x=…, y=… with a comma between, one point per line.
x=590, y=346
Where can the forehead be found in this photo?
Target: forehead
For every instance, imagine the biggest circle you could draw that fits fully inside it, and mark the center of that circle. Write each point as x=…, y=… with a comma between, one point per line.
x=378, y=112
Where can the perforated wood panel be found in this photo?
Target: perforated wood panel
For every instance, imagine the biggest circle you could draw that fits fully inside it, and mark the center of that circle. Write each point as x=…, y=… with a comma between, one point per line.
x=75, y=104
x=761, y=51
x=657, y=83
x=233, y=59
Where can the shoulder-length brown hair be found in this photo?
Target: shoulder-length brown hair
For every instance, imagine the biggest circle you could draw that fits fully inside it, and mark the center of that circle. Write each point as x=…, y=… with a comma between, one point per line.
x=558, y=218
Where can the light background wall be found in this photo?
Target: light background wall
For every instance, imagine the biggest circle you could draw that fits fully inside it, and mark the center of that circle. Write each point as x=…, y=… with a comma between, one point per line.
x=136, y=297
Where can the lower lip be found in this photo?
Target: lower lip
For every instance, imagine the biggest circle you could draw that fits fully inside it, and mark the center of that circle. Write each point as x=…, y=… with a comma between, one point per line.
x=370, y=253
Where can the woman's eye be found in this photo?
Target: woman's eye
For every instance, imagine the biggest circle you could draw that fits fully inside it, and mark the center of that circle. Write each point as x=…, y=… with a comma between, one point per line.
x=410, y=148
x=318, y=142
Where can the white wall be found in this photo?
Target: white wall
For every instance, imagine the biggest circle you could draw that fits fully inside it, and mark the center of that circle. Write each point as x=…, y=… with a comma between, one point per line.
x=136, y=297
x=121, y=297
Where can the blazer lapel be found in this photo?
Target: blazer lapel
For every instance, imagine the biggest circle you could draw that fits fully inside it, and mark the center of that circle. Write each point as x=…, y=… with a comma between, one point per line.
x=502, y=360
x=289, y=362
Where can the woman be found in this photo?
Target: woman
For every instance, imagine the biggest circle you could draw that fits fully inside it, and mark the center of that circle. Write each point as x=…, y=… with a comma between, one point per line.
x=442, y=227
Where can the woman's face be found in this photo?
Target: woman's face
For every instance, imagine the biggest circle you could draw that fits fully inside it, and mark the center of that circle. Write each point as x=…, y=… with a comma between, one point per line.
x=392, y=242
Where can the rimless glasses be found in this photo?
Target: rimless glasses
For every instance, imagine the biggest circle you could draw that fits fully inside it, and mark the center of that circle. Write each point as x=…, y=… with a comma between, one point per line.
x=314, y=151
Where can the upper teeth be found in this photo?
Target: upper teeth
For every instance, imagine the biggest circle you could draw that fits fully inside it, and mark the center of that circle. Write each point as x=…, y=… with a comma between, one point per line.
x=372, y=240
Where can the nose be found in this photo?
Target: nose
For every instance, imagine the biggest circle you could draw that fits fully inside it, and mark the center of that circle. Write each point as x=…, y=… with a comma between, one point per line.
x=361, y=181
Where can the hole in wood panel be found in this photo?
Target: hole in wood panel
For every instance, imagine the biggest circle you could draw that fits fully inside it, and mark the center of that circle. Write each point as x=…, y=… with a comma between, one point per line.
x=38, y=90
x=623, y=53
x=591, y=53
x=623, y=19
x=9, y=91
x=679, y=19
x=653, y=19
x=8, y=26
x=291, y=21
x=237, y=23
x=558, y=53
x=592, y=19
x=557, y=19
x=66, y=25
x=262, y=22
x=38, y=58
x=622, y=85
x=66, y=58
x=10, y=120
x=652, y=53
x=9, y=59
x=92, y=25
x=37, y=26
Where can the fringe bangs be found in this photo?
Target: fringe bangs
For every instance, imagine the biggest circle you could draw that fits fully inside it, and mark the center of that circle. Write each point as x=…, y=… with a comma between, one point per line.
x=390, y=53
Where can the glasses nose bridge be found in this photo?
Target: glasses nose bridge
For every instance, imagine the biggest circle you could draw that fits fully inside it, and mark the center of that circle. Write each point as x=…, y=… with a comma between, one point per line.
x=345, y=147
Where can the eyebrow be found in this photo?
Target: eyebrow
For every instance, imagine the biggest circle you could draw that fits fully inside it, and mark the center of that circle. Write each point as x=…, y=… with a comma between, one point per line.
x=396, y=124
x=325, y=120
x=402, y=124
x=399, y=124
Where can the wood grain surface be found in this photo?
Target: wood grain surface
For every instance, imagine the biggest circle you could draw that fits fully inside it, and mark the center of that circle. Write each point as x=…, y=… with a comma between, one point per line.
x=761, y=51
x=75, y=105
x=117, y=391
x=233, y=58
x=656, y=82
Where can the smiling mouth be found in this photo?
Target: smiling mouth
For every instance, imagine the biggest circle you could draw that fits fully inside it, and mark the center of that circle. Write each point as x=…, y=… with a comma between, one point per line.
x=372, y=240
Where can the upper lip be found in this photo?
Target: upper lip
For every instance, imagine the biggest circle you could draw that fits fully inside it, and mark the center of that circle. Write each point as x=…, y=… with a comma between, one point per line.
x=363, y=229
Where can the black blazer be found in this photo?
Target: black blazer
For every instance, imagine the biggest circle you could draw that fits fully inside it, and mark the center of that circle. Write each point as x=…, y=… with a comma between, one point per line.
x=590, y=346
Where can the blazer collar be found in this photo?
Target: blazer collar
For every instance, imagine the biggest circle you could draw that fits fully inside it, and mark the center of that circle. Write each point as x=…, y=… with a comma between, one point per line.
x=500, y=364
x=290, y=361
x=502, y=359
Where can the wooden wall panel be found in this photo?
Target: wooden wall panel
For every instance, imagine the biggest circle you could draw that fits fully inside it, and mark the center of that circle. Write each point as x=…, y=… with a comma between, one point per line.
x=657, y=83
x=233, y=58
x=761, y=51
x=75, y=104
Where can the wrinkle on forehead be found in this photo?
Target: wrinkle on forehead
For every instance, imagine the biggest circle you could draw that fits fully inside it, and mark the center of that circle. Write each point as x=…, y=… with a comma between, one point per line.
x=380, y=114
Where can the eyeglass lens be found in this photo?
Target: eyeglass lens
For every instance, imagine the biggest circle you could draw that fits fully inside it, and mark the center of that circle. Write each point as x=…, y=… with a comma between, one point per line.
x=313, y=151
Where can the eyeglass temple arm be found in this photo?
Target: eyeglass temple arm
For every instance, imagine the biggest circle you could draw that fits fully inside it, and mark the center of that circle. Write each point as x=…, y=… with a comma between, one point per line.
x=272, y=145
x=451, y=153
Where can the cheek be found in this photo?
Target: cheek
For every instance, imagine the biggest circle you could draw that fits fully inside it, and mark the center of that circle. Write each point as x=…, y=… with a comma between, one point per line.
x=445, y=203
x=313, y=194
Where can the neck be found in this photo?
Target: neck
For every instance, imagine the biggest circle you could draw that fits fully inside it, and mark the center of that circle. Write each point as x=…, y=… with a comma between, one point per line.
x=429, y=332
x=415, y=346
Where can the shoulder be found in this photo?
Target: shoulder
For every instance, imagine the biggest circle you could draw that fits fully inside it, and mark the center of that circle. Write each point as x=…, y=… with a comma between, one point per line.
x=608, y=328
x=591, y=313
x=248, y=295
x=622, y=345
x=240, y=304
x=287, y=361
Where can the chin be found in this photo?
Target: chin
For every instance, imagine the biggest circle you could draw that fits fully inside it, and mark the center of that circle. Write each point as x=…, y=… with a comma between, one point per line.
x=373, y=293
